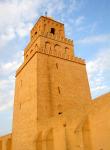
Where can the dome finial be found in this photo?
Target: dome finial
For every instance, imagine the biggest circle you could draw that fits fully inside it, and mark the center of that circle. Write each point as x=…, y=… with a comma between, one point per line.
x=46, y=14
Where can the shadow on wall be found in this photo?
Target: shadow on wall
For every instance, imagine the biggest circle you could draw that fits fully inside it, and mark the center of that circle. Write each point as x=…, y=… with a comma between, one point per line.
x=46, y=141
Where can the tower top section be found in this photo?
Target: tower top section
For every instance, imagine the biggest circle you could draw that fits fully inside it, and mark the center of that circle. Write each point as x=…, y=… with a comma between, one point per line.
x=48, y=38
x=48, y=25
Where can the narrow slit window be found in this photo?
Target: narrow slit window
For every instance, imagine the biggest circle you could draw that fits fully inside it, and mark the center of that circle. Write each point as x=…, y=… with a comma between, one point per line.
x=20, y=106
x=59, y=90
x=64, y=124
x=21, y=83
x=57, y=65
x=60, y=113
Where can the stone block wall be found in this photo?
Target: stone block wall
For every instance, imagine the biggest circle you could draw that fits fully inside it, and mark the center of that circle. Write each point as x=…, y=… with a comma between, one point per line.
x=6, y=142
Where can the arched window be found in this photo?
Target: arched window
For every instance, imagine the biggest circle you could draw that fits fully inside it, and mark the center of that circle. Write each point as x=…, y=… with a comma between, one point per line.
x=49, y=140
x=36, y=47
x=66, y=49
x=39, y=142
x=52, y=31
x=44, y=27
x=57, y=47
x=31, y=51
x=86, y=134
x=26, y=55
x=9, y=144
x=0, y=145
x=60, y=32
x=47, y=45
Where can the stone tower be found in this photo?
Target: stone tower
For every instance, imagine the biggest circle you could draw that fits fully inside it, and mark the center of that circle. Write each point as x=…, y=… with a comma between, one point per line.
x=50, y=84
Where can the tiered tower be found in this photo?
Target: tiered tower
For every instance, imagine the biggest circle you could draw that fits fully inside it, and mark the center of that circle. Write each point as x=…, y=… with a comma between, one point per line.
x=50, y=82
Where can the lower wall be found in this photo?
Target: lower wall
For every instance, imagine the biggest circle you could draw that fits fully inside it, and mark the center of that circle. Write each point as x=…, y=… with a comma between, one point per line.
x=100, y=123
x=73, y=130
x=5, y=142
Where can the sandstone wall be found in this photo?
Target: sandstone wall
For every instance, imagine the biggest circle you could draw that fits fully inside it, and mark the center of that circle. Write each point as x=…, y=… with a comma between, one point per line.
x=6, y=142
x=100, y=123
x=25, y=107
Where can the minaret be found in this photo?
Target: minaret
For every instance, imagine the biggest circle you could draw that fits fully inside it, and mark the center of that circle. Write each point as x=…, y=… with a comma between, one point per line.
x=50, y=82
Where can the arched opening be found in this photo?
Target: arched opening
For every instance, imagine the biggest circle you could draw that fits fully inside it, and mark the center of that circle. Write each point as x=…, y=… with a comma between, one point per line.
x=26, y=55
x=31, y=51
x=39, y=142
x=9, y=144
x=0, y=145
x=44, y=27
x=49, y=140
x=36, y=47
x=86, y=135
x=66, y=50
x=47, y=45
x=60, y=32
x=57, y=47
x=52, y=31
x=57, y=65
x=59, y=91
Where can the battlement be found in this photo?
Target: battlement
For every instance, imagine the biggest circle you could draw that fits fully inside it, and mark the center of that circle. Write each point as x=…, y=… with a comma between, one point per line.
x=46, y=20
x=57, y=38
x=50, y=36
x=52, y=53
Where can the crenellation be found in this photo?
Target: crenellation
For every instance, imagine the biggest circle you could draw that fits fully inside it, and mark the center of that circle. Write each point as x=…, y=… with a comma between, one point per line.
x=20, y=68
x=79, y=60
x=59, y=54
x=31, y=51
x=51, y=52
x=40, y=50
x=47, y=35
x=57, y=38
x=27, y=47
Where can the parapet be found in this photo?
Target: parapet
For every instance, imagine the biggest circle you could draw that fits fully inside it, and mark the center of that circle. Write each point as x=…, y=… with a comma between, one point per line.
x=50, y=36
x=57, y=38
x=52, y=53
x=102, y=100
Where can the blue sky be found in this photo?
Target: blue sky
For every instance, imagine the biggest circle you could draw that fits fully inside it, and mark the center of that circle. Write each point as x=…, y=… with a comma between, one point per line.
x=86, y=22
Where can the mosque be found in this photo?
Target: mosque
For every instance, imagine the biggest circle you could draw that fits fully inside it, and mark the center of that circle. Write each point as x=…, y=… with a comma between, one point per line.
x=53, y=108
